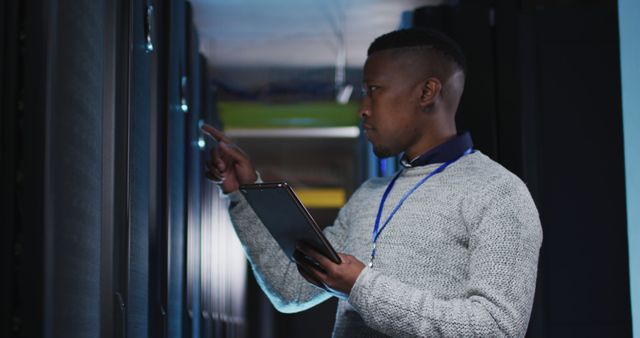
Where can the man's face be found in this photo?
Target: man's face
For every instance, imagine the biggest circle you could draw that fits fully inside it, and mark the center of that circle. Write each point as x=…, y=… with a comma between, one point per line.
x=390, y=111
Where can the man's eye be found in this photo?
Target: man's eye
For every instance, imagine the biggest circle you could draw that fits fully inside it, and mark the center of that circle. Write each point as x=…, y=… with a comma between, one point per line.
x=368, y=90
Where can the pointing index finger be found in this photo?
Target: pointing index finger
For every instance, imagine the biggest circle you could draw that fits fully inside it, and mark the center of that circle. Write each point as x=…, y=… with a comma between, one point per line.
x=215, y=133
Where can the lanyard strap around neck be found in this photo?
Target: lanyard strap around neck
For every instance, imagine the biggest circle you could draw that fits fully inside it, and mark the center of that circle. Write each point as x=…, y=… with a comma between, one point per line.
x=377, y=229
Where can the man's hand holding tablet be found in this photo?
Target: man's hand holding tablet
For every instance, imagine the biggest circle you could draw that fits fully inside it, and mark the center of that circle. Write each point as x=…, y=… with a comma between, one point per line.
x=337, y=279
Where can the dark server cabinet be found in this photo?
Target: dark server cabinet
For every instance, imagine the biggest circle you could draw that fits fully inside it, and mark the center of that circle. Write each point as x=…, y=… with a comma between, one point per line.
x=75, y=154
x=63, y=130
x=579, y=164
x=158, y=31
x=177, y=107
x=193, y=170
x=8, y=99
x=144, y=42
x=101, y=168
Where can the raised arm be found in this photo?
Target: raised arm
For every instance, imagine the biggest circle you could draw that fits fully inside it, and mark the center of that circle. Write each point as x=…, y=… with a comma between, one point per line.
x=289, y=292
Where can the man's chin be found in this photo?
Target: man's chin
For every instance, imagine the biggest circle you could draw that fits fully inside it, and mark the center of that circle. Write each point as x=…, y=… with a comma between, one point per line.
x=383, y=153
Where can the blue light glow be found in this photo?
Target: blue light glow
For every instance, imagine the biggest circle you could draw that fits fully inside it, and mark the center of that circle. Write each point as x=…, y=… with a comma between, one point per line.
x=629, y=11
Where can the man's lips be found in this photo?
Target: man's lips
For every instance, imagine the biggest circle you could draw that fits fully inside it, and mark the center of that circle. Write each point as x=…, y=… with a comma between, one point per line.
x=368, y=131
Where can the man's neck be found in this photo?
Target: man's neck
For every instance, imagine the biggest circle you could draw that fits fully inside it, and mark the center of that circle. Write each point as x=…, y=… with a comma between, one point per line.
x=429, y=143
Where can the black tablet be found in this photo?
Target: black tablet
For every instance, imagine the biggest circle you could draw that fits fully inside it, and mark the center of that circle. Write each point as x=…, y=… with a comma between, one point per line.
x=288, y=221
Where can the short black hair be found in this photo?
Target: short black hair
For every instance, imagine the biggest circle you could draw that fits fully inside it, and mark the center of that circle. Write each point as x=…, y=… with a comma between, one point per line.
x=420, y=37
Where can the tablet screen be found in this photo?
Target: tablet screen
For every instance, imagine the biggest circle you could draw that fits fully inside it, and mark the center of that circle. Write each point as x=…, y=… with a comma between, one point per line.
x=286, y=218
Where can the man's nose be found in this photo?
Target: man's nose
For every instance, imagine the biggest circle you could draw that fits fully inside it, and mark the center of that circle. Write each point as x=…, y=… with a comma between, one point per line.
x=365, y=107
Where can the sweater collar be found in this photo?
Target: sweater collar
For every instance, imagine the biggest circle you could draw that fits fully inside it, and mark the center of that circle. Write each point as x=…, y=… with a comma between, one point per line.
x=446, y=151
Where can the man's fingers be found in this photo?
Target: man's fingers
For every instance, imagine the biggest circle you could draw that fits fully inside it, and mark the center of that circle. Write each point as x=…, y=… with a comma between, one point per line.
x=215, y=133
x=218, y=164
x=215, y=169
x=311, y=252
x=229, y=160
x=213, y=177
x=312, y=265
x=233, y=151
x=209, y=166
x=219, y=160
x=225, y=143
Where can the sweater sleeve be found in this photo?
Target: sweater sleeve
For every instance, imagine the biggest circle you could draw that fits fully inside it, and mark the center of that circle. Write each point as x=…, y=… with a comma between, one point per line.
x=503, y=257
x=278, y=277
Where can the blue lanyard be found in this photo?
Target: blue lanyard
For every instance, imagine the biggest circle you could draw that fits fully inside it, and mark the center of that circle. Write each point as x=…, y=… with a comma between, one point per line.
x=376, y=228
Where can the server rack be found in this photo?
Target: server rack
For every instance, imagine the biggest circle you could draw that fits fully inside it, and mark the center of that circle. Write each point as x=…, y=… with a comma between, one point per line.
x=193, y=171
x=101, y=169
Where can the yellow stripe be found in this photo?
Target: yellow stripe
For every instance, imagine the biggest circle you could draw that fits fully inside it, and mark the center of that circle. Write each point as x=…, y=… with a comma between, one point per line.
x=322, y=197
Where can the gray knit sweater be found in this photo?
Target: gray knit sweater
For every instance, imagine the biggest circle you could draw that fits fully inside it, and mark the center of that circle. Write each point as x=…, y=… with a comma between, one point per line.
x=458, y=259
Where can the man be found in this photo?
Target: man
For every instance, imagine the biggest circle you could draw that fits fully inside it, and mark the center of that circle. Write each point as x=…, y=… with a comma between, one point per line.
x=448, y=247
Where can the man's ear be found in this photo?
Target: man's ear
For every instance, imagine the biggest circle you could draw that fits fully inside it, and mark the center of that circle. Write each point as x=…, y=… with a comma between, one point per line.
x=431, y=89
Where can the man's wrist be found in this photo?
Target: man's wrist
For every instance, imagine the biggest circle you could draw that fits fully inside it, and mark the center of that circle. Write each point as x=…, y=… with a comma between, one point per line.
x=358, y=290
x=236, y=196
